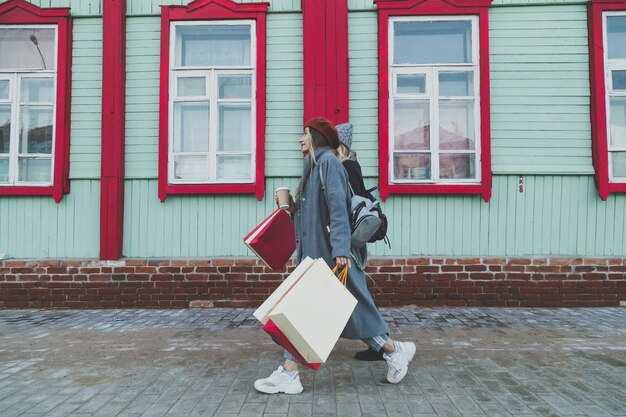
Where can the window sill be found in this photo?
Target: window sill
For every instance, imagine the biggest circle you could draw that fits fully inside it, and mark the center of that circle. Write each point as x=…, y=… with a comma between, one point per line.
x=199, y=189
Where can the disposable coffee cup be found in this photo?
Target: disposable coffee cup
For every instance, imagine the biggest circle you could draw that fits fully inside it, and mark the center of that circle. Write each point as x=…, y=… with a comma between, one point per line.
x=282, y=193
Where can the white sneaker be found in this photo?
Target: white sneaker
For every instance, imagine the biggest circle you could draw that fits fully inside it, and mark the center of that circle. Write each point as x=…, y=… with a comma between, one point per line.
x=279, y=381
x=398, y=361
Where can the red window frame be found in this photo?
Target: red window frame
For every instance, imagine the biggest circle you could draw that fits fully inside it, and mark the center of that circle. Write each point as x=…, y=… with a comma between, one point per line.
x=213, y=10
x=390, y=8
x=599, y=134
x=20, y=12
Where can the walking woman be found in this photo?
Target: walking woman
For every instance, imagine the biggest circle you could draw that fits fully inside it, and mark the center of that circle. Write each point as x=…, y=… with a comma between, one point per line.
x=321, y=216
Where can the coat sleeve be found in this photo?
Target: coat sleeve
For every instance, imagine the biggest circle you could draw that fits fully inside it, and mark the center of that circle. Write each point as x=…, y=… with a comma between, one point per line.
x=336, y=190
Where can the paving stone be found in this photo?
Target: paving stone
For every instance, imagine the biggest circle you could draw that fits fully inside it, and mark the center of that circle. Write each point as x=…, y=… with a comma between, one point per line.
x=471, y=362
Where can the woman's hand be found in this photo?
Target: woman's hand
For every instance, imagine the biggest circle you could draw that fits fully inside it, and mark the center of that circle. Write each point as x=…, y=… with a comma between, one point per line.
x=342, y=261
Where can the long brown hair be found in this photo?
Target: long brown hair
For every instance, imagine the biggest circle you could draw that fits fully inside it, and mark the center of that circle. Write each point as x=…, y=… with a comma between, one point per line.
x=317, y=140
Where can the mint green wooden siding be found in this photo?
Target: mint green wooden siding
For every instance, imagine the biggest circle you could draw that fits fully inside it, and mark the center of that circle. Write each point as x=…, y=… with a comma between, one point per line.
x=86, y=141
x=363, y=52
x=37, y=227
x=78, y=7
x=540, y=90
x=142, y=96
x=555, y=215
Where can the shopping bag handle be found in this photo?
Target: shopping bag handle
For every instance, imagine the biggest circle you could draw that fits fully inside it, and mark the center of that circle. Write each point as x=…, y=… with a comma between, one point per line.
x=343, y=274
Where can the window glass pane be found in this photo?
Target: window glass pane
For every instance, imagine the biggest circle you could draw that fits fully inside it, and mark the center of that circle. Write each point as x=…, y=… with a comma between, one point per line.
x=4, y=89
x=441, y=42
x=456, y=124
x=5, y=128
x=456, y=83
x=213, y=45
x=191, y=86
x=619, y=164
x=4, y=169
x=618, y=122
x=457, y=166
x=411, y=166
x=234, y=167
x=37, y=90
x=616, y=36
x=235, y=128
x=36, y=129
x=27, y=48
x=191, y=127
x=194, y=167
x=34, y=169
x=235, y=86
x=411, y=124
x=411, y=83
x=619, y=80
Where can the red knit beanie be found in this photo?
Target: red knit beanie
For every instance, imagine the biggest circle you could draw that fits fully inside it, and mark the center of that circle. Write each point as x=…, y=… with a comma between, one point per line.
x=326, y=128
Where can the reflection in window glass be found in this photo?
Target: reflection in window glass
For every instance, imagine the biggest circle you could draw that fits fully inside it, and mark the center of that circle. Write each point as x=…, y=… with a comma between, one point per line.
x=5, y=128
x=22, y=48
x=4, y=89
x=411, y=166
x=411, y=83
x=234, y=128
x=457, y=166
x=191, y=86
x=34, y=169
x=617, y=126
x=191, y=167
x=456, y=124
x=619, y=80
x=191, y=127
x=213, y=45
x=456, y=83
x=4, y=169
x=36, y=125
x=234, y=167
x=235, y=86
x=616, y=34
x=619, y=164
x=411, y=124
x=432, y=42
x=37, y=90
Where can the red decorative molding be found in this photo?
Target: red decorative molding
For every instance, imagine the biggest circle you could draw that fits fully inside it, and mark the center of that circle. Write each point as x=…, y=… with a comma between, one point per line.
x=20, y=12
x=113, y=128
x=599, y=134
x=325, y=60
x=387, y=9
x=213, y=10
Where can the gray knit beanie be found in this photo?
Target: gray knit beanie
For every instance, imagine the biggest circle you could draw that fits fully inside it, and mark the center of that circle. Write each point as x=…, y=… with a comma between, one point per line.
x=345, y=134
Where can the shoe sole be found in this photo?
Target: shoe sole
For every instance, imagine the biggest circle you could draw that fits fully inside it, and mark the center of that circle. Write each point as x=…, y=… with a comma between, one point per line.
x=405, y=369
x=275, y=390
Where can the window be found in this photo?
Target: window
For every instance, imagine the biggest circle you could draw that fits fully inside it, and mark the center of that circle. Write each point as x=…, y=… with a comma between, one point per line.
x=434, y=102
x=615, y=68
x=34, y=106
x=215, y=98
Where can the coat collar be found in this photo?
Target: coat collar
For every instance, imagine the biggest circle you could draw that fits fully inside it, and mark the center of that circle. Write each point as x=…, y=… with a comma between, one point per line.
x=322, y=150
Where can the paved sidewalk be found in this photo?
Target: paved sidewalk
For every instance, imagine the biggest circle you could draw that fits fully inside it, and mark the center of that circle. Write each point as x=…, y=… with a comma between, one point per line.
x=470, y=362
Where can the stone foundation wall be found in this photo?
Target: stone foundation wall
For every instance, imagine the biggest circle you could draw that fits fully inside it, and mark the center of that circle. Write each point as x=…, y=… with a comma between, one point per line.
x=147, y=283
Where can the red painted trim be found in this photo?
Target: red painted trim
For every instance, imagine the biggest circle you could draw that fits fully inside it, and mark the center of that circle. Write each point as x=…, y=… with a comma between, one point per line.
x=599, y=134
x=388, y=8
x=23, y=12
x=326, y=66
x=213, y=10
x=113, y=129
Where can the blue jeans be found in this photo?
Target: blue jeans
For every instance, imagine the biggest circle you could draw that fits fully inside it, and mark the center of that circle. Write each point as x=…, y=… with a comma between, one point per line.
x=376, y=343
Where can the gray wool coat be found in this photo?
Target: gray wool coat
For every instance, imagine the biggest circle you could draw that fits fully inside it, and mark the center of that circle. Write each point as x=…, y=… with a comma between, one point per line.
x=323, y=231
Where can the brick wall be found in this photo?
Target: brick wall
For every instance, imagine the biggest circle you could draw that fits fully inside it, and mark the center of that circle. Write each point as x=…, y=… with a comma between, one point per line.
x=547, y=282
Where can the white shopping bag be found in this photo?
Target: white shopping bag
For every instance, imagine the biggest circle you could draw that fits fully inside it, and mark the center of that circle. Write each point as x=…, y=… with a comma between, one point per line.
x=262, y=313
x=313, y=312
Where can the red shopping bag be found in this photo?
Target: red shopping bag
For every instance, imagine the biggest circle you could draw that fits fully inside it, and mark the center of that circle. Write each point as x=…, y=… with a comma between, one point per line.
x=282, y=340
